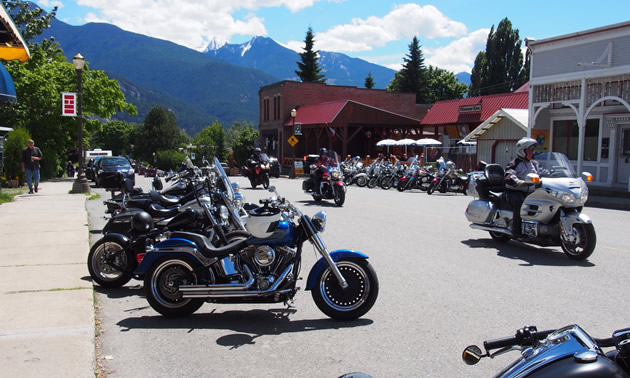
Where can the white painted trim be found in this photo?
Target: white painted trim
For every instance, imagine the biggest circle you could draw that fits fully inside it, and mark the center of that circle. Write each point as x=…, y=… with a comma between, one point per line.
x=581, y=38
x=576, y=76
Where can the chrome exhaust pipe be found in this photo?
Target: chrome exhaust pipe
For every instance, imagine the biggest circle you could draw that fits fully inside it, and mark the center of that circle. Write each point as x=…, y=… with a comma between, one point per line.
x=223, y=287
x=491, y=228
x=210, y=291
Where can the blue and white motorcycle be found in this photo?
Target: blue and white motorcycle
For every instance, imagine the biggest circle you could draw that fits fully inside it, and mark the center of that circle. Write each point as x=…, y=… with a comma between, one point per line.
x=184, y=271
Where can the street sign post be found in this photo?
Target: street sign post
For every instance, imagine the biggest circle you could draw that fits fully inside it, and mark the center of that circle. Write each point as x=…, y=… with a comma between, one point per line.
x=293, y=141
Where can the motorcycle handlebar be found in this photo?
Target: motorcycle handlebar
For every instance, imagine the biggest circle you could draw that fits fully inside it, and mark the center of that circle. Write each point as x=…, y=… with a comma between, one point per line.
x=523, y=337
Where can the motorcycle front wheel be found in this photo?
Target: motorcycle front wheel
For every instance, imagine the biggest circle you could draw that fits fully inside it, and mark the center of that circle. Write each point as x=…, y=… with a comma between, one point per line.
x=362, y=181
x=372, y=182
x=340, y=197
x=162, y=287
x=402, y=185
x=265, y=182
x=109, y=264
x=355, y=300
x=387, y=182
x=584, y=246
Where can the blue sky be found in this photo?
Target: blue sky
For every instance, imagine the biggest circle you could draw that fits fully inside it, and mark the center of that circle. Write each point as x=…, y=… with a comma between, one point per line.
x=451, y=32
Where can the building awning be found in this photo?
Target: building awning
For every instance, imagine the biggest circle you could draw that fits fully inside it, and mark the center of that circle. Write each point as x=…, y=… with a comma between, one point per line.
x=326, y=113
x=12, y=45
x=519, y=116
x=7, y=88
x=473, y=109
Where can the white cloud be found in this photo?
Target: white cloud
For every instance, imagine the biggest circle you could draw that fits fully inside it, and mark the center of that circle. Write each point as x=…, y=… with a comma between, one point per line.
x=187, y=22
x=51, y=3
x=404, y=21
x=459, y=55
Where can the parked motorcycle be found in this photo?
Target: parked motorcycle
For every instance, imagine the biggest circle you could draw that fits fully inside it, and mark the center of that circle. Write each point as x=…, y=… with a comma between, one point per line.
x=566, y=352
x=353, y=172
x=448, y=179
x=331, y=185
x=258, y=171
x=186, y=270
x=551, y=215
x=391, y=175
x=410, y=179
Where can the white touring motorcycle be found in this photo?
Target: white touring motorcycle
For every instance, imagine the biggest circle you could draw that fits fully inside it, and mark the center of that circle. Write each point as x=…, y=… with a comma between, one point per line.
x=551, y=215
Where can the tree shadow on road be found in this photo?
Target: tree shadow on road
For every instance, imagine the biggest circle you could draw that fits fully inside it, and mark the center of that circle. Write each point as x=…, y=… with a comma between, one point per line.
x=529, y=254
x=248, y=325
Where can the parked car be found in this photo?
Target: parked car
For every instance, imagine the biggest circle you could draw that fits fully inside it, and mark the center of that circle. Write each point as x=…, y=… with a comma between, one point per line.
x=108, y=168
x=141, y=169
x=150, y=172
x=90, y=169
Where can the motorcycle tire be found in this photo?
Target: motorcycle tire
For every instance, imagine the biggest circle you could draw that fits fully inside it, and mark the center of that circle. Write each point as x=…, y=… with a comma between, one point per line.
x=347, y=180
x=499, y=236
x=317, y=197
x=362, y=181
x=430, y=190
x=100, y=266
x=254, y=185
x=402, y=185
x=339, y=197
x=355, y=300
x=162, y=283
x=372, y=182
x=265, y=182
x=585, y=245
x=387, y=182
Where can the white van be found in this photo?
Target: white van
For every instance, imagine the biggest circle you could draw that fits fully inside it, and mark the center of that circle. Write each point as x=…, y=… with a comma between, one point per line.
x=96, y=153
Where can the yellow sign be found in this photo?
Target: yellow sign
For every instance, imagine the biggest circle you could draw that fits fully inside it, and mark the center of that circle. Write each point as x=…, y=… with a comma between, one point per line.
x=542, y=138
x=293, y=140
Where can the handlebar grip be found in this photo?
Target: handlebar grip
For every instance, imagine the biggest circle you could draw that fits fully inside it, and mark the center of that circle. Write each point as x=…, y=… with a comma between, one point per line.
x=500, y=343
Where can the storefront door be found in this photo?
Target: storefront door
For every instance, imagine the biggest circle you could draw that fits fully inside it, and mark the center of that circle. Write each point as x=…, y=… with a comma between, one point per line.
x=623, y=155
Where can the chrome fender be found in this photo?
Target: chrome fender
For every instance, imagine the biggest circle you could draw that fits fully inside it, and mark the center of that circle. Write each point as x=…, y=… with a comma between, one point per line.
x=169, y=248
x=321, y=265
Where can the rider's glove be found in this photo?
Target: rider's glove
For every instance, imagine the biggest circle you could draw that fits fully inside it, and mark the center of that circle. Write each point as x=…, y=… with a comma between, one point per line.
x=520, y=183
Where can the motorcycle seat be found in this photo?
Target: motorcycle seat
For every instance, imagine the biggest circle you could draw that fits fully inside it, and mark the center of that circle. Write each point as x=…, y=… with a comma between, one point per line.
x=157, y=211
x=205, y=246
x=495, y=175
x=162, y=199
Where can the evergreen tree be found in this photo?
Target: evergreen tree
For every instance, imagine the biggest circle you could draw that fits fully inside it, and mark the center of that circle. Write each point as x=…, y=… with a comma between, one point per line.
x=369, y=81
x=309, y=71
x=502, y=70
x=411, y=78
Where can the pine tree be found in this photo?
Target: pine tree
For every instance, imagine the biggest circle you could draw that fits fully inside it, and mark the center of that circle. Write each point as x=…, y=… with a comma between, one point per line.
x=309, y=67
x=411, y=78
x=501, y=68
x=369, y=81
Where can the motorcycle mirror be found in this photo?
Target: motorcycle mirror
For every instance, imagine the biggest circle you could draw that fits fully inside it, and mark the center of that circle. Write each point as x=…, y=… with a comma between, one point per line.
x=472, y=355
x=532, y=178
x=587, y=177
x=271, y=188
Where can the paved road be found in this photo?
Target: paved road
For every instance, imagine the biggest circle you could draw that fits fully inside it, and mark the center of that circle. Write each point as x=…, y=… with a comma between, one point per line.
x=443, y=286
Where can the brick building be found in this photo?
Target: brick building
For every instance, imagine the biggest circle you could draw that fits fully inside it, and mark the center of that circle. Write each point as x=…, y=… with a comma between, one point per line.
x=348, y=120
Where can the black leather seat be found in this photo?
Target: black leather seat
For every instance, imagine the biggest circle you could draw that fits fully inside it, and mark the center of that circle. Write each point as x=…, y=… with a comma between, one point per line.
x=495, y=175
x=205, y=246
x=158, y=211
x=162, y=199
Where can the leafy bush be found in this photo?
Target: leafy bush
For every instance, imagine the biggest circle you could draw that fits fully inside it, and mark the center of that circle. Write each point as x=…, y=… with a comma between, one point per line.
x=169, y=159
x=13, y=146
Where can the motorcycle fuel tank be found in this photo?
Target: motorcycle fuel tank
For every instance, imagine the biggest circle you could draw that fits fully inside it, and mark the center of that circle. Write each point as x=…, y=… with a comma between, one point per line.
x=478, y=211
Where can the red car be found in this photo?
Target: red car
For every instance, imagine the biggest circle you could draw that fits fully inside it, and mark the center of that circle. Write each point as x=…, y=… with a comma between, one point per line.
x=150, y=172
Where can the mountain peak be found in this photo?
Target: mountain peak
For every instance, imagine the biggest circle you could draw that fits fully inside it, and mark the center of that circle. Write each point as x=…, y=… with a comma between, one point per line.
x=214, y=45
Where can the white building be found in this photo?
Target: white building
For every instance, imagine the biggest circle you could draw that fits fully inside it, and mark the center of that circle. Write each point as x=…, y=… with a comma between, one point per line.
x=579, y=100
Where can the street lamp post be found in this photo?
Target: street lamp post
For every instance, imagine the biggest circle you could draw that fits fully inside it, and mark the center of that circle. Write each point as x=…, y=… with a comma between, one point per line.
x=81, y=184
x=293, y=115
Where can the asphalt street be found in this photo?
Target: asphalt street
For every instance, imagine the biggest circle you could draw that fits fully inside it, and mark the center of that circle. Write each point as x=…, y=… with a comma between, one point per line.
x=443, y=286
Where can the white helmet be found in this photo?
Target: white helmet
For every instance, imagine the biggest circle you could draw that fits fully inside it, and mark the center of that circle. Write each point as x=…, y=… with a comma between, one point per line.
x=524, y=144
x=263, y=221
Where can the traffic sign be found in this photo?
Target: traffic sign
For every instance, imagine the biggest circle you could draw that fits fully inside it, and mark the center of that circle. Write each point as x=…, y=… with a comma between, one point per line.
x=293, y=140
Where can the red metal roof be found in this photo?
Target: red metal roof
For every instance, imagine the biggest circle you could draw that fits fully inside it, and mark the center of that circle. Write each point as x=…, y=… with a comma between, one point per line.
x=326, y=112
x=448, y=112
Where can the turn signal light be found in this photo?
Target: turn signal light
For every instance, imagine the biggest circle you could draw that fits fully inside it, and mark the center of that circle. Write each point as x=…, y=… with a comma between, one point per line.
x=535, y=180
x=589, y=178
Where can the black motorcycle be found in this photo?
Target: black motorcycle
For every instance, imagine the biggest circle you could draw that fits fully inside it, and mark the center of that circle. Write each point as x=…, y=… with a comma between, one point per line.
x=566, y=352
x=258, y=171
x=331, y=185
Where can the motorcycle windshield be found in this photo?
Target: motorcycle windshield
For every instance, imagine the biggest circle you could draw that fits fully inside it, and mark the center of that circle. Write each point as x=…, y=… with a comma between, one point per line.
x=554, y=164
x=333, y=160
x=224, y=178
x=264, y=159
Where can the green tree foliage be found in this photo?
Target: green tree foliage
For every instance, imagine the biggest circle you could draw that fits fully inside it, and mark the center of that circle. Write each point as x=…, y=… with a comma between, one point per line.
x=169, y=159
x=369, y=81
x=114, y=136
x=443, y=85
x=500, y=69
x=31, y=22
x=309, y=71
x=158, y=133
x=241, y=137
x=13, y=146
x=39, y=83
x=412, y=78
x=212, y=138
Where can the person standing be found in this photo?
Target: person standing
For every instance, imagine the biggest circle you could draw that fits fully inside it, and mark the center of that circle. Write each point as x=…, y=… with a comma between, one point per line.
x=31, y=156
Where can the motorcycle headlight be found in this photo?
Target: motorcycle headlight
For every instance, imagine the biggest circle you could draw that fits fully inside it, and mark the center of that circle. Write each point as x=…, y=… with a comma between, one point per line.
x=566, y=197
x=335, y=174
x=319, y=220
x=584, y=196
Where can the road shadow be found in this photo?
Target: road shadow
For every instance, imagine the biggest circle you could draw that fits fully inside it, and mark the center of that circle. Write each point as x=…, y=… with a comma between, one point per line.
x=121, y=292
x=96, y=231
x=530, y=255
x=312, y=203
x=248, y=325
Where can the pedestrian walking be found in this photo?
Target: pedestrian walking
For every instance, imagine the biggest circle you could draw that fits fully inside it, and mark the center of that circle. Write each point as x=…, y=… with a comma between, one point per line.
x=31, y=156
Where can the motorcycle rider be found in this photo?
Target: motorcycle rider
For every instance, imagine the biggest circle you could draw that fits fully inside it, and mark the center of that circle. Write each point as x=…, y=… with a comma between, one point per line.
x=515, y=173
x=323, y=162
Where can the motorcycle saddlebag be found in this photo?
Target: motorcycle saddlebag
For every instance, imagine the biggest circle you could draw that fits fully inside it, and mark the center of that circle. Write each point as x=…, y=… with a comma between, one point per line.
x=478, y=211
x=307, y=185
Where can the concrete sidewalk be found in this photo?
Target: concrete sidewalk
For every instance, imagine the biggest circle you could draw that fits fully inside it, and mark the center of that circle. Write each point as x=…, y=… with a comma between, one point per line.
x=47, y=311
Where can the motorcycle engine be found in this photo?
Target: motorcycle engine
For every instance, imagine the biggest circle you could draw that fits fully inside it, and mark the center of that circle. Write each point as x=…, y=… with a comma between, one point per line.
x=267, y=263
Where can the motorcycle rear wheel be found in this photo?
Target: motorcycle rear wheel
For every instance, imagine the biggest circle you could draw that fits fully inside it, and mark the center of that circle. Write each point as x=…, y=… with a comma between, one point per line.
x=162, y=287
x=499, y=236
x=354, y=301
x=100, y=266
x=585, y=244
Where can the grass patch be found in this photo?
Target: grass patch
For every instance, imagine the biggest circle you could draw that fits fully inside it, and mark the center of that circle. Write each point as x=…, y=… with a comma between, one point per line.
x=49, y=290
x=6, y=195
x=94, y=196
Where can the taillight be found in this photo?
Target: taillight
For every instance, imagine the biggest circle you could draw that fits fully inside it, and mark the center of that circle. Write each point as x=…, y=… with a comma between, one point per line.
x=139, y=257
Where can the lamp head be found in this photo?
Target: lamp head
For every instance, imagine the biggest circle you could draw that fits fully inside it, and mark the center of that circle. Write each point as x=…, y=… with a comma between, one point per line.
x=78, y=61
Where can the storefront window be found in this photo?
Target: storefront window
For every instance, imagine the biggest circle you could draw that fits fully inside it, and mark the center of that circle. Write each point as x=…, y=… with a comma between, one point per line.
x=565, y=139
